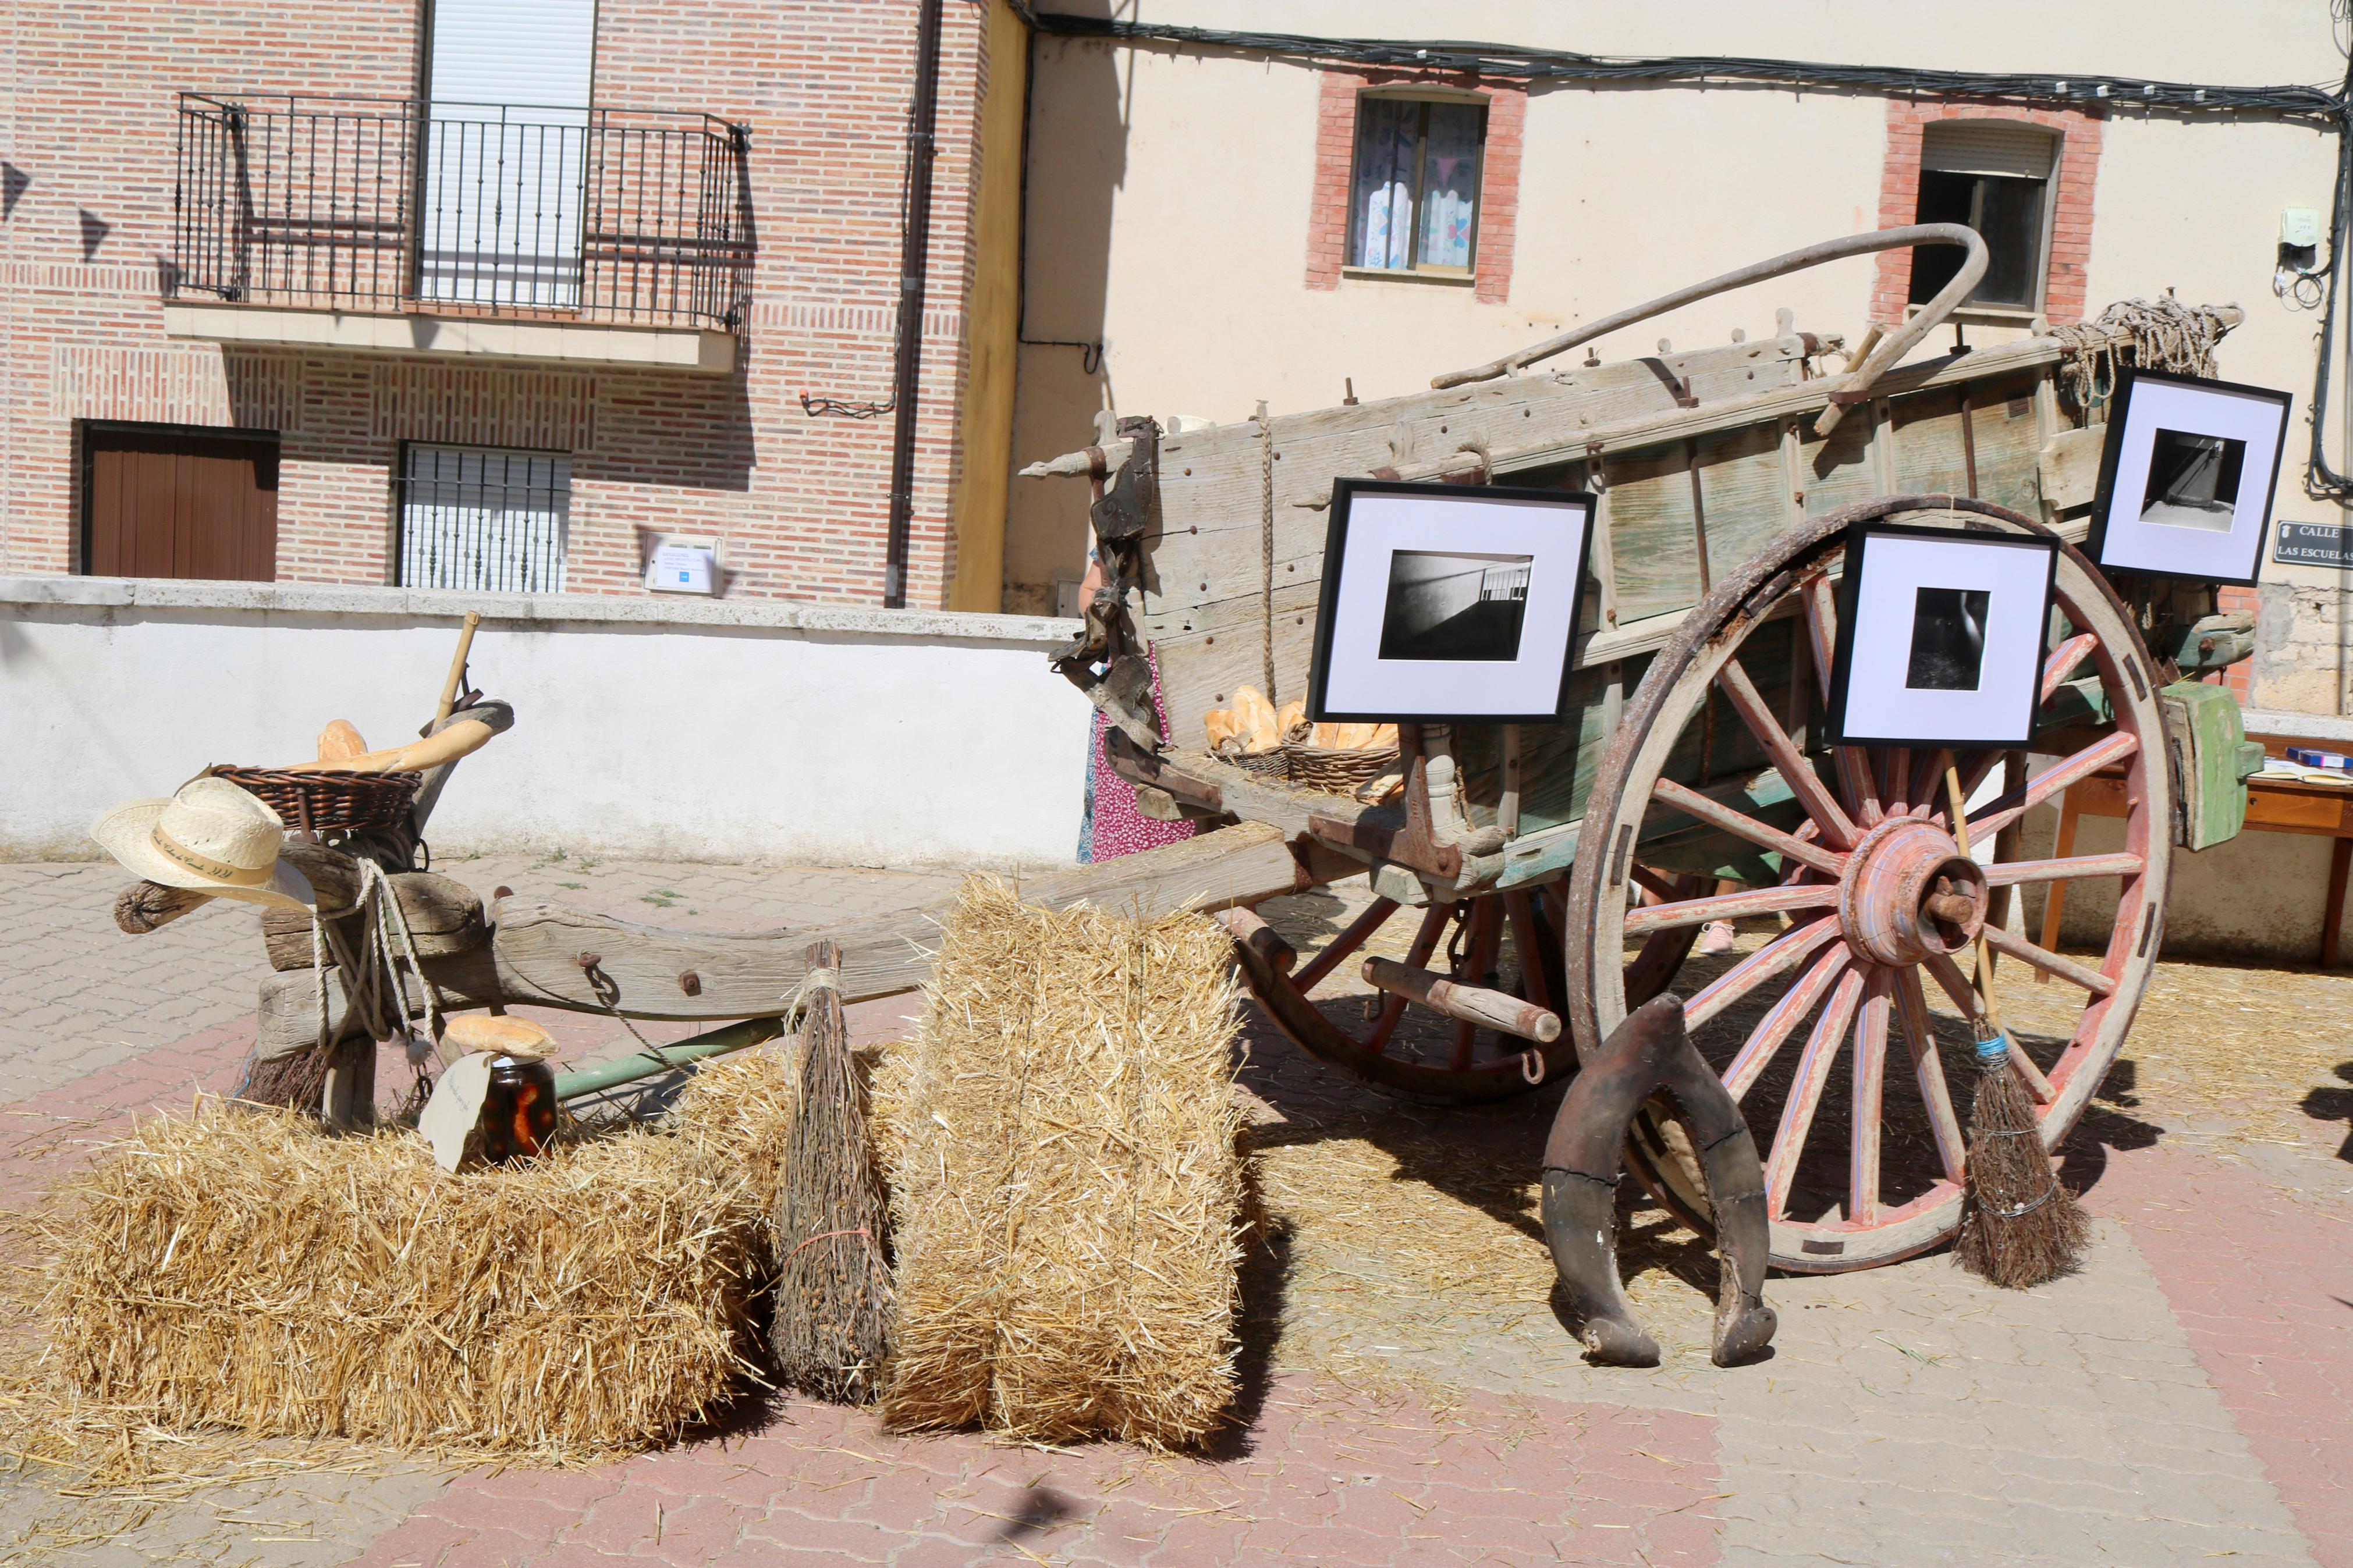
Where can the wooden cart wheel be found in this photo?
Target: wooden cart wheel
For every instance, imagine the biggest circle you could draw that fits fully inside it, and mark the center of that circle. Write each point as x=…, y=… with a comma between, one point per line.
x=1406, y=1049
x=1861, y=842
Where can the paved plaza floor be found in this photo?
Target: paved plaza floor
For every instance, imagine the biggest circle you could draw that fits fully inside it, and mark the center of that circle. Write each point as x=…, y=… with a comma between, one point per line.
x=2183, y=1400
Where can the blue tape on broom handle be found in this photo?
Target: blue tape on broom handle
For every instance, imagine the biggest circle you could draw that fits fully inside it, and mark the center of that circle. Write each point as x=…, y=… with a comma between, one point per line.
x=1995, y=1050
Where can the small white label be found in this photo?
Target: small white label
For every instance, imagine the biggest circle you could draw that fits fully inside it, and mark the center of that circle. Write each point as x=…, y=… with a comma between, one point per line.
x=682, y=569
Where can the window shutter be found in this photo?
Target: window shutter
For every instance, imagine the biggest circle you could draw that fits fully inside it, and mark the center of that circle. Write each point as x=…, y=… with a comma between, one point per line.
x=1988, y=147
x=533, y=52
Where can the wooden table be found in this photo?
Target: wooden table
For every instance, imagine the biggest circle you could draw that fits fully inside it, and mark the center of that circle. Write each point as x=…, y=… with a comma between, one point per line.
x=2273, y=805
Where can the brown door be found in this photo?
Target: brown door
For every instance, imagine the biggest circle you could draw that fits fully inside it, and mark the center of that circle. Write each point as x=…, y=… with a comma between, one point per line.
x=162, y=501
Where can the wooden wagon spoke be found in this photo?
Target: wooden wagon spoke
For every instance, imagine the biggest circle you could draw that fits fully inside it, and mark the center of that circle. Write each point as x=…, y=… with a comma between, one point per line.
x=1780, y=955
x=2000, y=813
x=1425, y=942
x=2050, y=963
x=1821, y=628
x=1837, y=828
x=1727, y=906
x=1660, y=887
x=1716, y=814
x=1535, y=985
x=1956, y=985
x=2011, y=873
x=1806, y=1091
x=1928, y=1070
x=1359, y=932
x=1895, y=779
x=2064, y=660
x=1869, y=1076
x=1486, y=939
x=1774, y=1026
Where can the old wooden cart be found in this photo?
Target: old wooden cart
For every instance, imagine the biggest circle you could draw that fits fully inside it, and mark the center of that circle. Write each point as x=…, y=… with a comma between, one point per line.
x=1561, y=872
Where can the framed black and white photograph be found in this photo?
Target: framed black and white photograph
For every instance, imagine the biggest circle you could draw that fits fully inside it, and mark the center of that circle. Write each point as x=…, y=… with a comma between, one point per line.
x=1448, y=602
x=1940, y=637
x=2185, y=477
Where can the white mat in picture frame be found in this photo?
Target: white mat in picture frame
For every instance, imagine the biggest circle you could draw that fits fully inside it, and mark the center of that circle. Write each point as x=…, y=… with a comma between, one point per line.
x=1448, y=602
x=1940, y=637
x=2185, y=477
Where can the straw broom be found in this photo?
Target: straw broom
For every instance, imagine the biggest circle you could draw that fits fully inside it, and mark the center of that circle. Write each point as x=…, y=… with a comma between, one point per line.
x=2020, y=1228
x=833, y=1301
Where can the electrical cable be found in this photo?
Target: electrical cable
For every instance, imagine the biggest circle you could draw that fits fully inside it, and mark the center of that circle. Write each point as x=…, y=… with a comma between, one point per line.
x=2317, y=107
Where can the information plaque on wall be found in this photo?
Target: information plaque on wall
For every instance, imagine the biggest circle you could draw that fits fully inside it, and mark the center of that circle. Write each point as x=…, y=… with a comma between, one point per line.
x=2311, y=544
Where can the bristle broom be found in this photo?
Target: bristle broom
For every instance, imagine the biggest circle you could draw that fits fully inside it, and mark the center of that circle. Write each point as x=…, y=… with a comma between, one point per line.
x=832, y=1327
x=2020, y=1228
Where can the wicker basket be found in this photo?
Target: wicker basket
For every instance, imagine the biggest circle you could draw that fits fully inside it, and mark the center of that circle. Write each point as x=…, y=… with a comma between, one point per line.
x=319, y=802
x=1337, y=771
x=1268, y=764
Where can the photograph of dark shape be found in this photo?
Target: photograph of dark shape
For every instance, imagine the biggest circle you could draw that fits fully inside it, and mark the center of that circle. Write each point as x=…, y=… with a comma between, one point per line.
x=1947, y=639
x=1455, y=606
x=2193, y=481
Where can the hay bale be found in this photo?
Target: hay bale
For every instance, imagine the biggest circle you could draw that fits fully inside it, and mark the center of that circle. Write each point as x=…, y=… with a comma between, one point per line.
x=251, y=1270
x=1066, y=1192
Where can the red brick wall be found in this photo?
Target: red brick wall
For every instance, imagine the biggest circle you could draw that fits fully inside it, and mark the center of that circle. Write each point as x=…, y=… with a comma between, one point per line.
x=822, y=85
x=1499, y=178
x=2071, y=232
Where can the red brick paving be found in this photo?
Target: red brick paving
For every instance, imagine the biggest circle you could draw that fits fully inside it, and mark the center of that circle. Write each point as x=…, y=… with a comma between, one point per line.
x=2262, y=1282
x=1328, y=1474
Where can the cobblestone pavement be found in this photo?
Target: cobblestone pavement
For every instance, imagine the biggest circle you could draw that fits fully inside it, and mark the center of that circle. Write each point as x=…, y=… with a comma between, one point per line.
x=2183, y=1400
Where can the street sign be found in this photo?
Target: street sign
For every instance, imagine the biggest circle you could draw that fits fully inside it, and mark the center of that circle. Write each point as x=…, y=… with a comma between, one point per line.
x=2313, y=544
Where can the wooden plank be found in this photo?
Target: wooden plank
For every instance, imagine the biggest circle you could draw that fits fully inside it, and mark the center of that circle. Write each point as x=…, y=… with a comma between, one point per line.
x=538, y=945
x=1930, y=455
x=2202, y=730
x=2069, y=466
x=2009, y=443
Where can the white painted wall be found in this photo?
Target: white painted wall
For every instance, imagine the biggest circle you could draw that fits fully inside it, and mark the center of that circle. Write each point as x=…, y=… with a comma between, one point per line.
x=1170, y=194
x=752, y=731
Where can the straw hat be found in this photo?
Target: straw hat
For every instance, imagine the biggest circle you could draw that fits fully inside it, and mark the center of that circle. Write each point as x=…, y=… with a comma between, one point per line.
x=212, y=837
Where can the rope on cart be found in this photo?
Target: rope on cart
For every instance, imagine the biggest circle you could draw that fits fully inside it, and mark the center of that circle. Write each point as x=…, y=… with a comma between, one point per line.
x=2166, y=335
x=1266, y=548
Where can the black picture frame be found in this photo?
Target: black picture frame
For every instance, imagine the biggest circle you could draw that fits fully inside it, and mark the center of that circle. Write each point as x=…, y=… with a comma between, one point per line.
x=1851, y=586
x=2119, y=432
x=1345, y=492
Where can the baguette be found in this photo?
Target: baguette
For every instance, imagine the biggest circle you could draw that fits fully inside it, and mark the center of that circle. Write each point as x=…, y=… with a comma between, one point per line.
x=1255, y=715
x=1295, y=713
x=1219, y=723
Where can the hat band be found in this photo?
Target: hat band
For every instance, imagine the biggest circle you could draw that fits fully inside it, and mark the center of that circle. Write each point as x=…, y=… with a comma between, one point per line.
x=172, y=850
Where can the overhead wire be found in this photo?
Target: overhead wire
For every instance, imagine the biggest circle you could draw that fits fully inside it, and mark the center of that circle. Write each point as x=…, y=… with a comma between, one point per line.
x=2320, y=108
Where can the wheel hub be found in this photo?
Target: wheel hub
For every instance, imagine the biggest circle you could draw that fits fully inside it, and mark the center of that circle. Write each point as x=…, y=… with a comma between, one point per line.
x=1909, y=893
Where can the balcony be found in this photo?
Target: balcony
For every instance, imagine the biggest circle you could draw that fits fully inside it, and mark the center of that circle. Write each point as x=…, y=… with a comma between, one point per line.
x=607, y=236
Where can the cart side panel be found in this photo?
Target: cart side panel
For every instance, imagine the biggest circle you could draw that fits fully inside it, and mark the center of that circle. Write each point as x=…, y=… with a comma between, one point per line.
x=1204, y=558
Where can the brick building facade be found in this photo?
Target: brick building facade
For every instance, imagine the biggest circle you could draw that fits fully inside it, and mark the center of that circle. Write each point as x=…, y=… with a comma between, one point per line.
x=90, y=252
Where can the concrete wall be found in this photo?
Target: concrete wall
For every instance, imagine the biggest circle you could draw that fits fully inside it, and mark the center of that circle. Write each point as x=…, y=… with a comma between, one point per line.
x=733, y=731
x=1174, y=202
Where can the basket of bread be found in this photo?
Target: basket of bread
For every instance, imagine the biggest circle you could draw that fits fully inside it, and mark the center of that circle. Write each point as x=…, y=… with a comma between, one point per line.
x=1340, y=759
x=1250, y=733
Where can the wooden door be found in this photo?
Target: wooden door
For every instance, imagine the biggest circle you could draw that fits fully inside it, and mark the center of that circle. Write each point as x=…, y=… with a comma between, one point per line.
x=158, y=501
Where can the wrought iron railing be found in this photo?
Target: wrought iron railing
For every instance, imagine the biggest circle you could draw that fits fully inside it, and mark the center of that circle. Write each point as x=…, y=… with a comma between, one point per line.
x=398, y=205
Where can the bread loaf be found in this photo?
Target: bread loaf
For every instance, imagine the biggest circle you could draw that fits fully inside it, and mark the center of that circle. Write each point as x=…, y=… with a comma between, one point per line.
x=339, y=740
x=1255, y=716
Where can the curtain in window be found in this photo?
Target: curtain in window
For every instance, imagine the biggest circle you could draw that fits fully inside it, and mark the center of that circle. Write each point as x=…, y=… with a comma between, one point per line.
x=1449, y=184
x=1387, y=129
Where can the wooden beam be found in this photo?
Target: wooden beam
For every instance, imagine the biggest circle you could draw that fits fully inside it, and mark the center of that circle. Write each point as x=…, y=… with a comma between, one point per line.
x=1473, y=1005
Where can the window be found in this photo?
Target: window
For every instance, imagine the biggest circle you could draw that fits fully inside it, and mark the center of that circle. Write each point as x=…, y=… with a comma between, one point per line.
x=1414, y=200
x=487, y=520
x=1994, y=176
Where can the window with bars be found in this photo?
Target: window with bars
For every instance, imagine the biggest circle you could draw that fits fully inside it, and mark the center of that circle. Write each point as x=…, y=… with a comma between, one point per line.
x=1414, y=198
x=489, y=520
